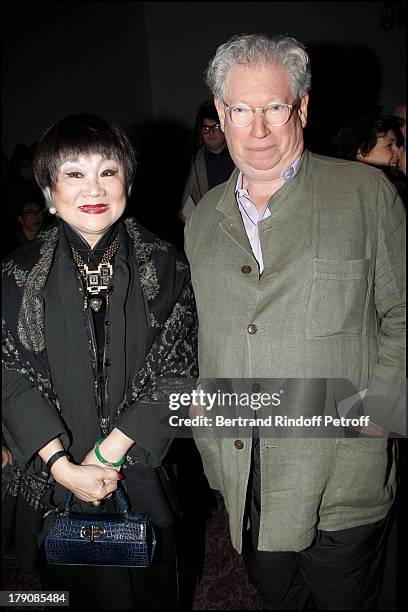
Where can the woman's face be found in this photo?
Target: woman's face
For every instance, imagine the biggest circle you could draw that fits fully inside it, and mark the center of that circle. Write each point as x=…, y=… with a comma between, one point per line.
x=90, y=195
x=385, y=152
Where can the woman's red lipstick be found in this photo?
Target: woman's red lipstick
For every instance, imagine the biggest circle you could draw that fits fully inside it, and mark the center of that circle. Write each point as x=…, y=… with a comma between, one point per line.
x=94, y=209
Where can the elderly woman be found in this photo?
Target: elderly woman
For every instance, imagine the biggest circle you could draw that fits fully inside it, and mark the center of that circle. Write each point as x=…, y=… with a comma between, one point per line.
x=98, y=315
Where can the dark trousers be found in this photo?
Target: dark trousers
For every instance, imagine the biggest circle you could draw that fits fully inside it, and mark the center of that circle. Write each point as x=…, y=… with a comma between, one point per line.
x=342, y=570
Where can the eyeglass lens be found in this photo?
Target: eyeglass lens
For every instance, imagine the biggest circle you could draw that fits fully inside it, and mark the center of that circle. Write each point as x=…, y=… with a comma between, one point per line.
x=275, y=115
x=206, y=129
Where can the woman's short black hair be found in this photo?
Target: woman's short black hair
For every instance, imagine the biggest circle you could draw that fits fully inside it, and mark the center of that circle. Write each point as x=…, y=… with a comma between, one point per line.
x=361, y=135
x=76, y=135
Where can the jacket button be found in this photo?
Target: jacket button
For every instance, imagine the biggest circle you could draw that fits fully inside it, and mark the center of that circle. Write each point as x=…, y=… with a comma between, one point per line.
x=246, y=269
x=252, y=328
x=239, y=444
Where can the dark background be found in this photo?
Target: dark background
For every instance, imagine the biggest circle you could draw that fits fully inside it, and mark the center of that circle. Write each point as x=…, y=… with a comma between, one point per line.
x=143, y=63
x=138, y=61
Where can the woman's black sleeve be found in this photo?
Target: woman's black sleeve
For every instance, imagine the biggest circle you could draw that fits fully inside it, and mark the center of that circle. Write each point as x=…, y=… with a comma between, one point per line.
x=29, y=419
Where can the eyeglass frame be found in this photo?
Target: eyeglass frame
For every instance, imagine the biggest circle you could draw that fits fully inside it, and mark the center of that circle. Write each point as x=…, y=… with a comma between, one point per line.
x=210, y=128
x=291, y=107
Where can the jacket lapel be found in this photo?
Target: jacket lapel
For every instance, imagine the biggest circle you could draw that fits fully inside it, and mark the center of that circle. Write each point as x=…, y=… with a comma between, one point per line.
x=231, y=223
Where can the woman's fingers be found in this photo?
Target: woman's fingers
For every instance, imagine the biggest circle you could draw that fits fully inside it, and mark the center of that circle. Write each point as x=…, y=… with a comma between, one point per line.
x=89, y=482
x=98, y=492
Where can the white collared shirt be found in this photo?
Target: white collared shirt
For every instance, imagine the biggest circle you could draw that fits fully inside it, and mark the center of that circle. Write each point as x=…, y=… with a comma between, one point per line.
x=250, y=214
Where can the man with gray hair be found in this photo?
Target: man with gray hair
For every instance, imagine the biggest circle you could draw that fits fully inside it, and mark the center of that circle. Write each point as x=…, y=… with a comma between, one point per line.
x=297, y=269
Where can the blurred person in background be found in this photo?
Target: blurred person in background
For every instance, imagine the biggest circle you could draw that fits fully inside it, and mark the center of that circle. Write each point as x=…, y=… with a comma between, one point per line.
x=400, y=111
x=19, y=181
x=212, y=164
x=377, y=141
x=31, y=219
x=25, y=228
x=373, y=141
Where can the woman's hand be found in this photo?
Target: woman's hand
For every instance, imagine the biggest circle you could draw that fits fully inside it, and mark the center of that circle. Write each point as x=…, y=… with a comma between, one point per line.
x=91, y=480
x=113, y=448
x=87, y=482
x=92, y=459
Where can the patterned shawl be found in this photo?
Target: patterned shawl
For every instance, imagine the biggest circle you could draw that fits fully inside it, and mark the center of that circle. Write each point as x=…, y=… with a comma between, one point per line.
x=172, y=337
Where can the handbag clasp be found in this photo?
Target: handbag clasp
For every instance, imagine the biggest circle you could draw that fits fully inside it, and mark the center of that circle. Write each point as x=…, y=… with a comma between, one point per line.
x=92, y=532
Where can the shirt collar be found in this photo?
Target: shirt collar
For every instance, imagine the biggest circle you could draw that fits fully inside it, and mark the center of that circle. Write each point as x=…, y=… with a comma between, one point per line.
x=287, y=174
x=75, y=240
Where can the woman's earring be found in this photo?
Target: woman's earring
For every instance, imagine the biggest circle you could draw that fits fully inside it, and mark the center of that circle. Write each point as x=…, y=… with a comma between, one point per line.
x=52, y=210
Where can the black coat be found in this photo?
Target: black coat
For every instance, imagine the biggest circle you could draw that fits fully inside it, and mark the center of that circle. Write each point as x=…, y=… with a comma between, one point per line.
x=48, y=387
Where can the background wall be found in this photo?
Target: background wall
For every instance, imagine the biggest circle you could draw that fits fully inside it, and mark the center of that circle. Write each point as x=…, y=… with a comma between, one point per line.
x=143, y=62
x=67, y=57
x=356, y=66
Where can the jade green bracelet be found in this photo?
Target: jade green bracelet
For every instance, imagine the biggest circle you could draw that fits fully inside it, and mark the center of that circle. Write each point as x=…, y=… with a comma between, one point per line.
x=102, y=460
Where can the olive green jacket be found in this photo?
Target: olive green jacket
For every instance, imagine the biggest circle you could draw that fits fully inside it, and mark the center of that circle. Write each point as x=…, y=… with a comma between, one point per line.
x=329, y=304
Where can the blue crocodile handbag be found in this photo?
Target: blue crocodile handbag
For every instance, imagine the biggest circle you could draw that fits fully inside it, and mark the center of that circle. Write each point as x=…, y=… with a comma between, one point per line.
x=121, y=540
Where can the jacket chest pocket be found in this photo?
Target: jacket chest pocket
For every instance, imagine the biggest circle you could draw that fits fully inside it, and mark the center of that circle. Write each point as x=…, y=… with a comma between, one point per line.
x=339, y=297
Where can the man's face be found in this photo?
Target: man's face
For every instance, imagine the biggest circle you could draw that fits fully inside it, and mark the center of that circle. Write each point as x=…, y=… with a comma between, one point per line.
x=262, y=152
x=31, y=217
x=212, y=135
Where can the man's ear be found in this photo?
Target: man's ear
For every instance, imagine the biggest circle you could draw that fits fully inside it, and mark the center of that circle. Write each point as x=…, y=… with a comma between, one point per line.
x=20, y=218
x=221, y=112
x=302, y=109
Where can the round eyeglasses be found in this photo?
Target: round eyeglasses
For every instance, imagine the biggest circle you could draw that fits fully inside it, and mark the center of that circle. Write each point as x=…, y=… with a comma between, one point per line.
x=206, y=129
x=276, y=114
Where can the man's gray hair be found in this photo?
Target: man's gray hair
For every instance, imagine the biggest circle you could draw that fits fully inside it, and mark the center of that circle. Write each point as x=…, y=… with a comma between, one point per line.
x=259, y=50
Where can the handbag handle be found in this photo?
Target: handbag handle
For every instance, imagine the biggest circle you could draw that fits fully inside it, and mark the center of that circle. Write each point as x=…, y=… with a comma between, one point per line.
x=121, y=498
